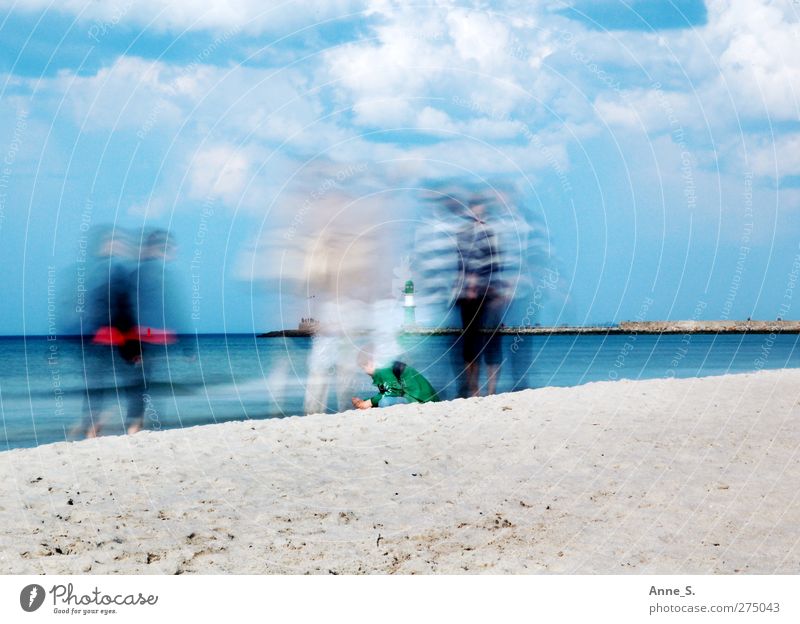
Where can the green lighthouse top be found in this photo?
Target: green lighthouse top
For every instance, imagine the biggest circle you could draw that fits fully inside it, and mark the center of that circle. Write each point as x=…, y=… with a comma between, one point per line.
x=409, y=290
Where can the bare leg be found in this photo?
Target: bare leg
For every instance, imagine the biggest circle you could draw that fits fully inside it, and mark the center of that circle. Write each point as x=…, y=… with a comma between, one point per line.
x=321, y=366
x=493, y=372
x=473, y=375
x=93, y=414
x=93, y=431
x=85, y=431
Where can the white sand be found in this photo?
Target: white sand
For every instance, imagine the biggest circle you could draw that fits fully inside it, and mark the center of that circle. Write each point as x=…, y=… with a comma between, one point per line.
x=690, y=476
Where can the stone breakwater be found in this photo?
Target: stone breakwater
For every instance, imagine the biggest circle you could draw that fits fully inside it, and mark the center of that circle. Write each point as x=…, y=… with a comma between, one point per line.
x=680, y=327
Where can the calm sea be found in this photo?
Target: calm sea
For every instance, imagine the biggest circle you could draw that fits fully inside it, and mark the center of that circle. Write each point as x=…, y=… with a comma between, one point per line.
x=217, y=378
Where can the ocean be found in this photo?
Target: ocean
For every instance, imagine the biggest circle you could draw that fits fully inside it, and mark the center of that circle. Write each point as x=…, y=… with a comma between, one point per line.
x=217, y=378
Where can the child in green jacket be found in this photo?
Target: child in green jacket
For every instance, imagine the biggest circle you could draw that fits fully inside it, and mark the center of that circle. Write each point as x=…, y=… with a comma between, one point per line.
x=397, y=380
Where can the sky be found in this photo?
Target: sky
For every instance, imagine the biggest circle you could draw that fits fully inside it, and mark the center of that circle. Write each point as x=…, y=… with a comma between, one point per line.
x=654, y=146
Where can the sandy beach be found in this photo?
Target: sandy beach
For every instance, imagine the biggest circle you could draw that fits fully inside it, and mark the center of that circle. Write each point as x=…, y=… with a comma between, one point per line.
x=664, y=476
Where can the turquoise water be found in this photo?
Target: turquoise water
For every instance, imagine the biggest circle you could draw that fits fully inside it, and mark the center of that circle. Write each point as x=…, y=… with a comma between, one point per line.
x=234, y=377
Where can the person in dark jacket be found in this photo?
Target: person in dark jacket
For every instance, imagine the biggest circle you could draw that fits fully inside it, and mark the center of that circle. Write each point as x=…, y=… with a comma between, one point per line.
x=479, y=297
x=109, y=355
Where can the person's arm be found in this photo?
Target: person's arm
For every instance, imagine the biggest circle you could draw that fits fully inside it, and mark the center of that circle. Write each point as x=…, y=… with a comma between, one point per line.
x=375, y=400
x=365, y=403
x=381, y=378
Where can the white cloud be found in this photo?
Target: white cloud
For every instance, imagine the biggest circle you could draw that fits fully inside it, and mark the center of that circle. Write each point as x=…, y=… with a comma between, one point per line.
x=131, y=93
x=383, y=112
x=152, y=97
x=436, y=120
x=438, y=51
x=653, y=110
x=252, y=16
x=757, y=43
x=740, y=67
x=491, y=130
x=409, y=70
x=479, y=37
x=617, y=113
x=725, y=86
x=220, y=171
x=776, y=157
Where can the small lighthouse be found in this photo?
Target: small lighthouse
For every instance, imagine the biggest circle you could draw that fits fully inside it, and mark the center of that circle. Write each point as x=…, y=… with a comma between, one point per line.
x=409, y=314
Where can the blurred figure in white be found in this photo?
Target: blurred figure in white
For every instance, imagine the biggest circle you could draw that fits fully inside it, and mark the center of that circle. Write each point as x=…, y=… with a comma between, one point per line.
x=332, y=256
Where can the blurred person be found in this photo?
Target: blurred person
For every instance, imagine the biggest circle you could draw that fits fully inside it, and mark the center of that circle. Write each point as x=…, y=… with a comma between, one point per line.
x=159, y=315
x=334, y=239
x=480, y=296
x=108, y=353
x=461, y=262
x=345, y=272
x=335, y=265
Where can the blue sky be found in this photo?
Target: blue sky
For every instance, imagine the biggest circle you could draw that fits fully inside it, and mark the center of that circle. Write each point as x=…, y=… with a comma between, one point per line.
x=655, y=146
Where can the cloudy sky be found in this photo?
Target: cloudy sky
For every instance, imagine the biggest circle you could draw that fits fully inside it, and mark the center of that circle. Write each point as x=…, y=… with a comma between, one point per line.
x=655, y=146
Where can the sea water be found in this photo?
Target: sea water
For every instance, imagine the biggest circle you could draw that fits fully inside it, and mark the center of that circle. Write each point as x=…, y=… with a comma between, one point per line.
x=217, y=378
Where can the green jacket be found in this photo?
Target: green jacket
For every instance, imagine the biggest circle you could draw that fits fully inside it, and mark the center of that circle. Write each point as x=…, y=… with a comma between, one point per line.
x=400, y=380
